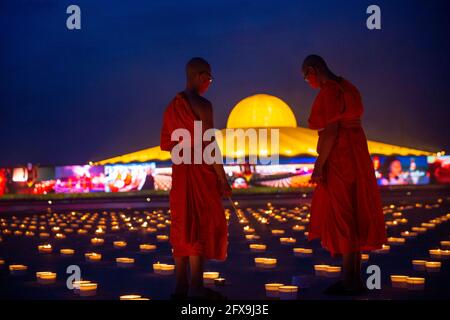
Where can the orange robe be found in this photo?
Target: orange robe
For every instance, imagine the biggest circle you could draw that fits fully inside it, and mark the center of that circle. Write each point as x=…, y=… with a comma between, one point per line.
x=346, y=210
x=198, y=223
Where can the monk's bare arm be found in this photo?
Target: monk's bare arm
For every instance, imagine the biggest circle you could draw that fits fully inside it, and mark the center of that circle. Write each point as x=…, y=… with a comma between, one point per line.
x=326, y=143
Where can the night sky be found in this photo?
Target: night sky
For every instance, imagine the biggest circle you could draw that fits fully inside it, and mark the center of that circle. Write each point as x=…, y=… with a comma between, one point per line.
x=67, y=97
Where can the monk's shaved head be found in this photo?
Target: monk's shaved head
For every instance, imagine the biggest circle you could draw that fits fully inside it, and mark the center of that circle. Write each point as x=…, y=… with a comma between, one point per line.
x=315, y=61
x=195, y=66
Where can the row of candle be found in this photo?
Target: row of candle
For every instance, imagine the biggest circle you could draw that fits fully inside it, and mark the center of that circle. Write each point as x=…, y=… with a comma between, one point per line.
x=279, y=290
x=430, y=266
x=411, y=283
x=324, y=270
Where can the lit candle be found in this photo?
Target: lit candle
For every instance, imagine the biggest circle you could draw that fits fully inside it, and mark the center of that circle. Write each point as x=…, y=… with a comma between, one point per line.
x=60, y=236
x=408, y=234
x=219, y=281
x=147, y=247
x=272, y=289
x=419, y=265
x=92, y=256
x=303, y=252
x=257, y=247
x=208, y=277
x=119, y=244
x=162, y=238
x=445, y=244
x=124, y=262
x=320, y=270
x=364, y=257
x=132, y=297
x=288, y=292
x=288, y=241
x=435, y=253
x=415, y=283
x=399, y=281
x=298, y=228
x=44, y=235
x=248, y=229
x=266, y=263
x=45, y=277
x=87, y=289
x=67, y=252
x=162, y=268
x=419, y=229
x=97, y=241
x=433, y=266
x=396, y=241
x=251, y=237
x=332, y=271
x=45, y=248
x=17, y=269
x=277, y=232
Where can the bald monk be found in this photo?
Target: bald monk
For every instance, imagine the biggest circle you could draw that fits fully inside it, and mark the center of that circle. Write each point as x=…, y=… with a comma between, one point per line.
x=198, y=228
x=346, y=210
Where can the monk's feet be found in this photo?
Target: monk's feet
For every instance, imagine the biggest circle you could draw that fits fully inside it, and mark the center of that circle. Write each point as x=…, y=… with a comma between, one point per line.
x=341, y=289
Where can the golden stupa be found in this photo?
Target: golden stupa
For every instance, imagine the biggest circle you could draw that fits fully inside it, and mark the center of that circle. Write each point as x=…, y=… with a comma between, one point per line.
x=268, y=112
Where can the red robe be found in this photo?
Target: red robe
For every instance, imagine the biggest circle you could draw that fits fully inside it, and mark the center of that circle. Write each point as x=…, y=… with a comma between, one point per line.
x=198, y=223
x=346, y=210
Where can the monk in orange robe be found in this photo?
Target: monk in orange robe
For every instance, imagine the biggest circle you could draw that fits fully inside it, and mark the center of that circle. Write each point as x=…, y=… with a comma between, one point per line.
x=346, y=209
x=198, y=224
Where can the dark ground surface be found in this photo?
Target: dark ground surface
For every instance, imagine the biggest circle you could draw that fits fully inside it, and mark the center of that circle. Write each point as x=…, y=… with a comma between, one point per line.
x=244, y=281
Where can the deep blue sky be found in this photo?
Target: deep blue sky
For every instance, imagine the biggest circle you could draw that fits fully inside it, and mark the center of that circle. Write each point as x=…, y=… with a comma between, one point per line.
x=73, y=96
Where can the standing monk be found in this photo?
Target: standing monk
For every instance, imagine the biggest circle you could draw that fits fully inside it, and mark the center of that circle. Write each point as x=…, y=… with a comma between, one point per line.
x=198, y=224
x=346, y=210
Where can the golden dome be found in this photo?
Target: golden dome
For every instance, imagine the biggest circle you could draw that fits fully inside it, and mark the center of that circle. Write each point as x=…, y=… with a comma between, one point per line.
x=261, y=111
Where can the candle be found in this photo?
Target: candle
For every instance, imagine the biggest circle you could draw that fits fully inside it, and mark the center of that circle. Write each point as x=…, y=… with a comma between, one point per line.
x=272, y=289
x=332, y=271
x=364, y=257
x=414, y=283
x=251, y=237
x=298, y=228
x=45, y=248
x=433, y=266
x=124, y=262
x=87, y=289
x=208, y=277
x=147, y=247
x=288, y=241
x=17, y=269
x=132, y=297
x=277, y=232
x=248, y=229
x=445, y=244
x=257, y=247
x=97, y=241
x=162, y=237
x=288, y=292
x=92, y=256
x=320, y=269
x=219, y=281
x=399, y=281
x=76, y=285
x=60, y=236
x=119, y=244
x=266, y=263
x=67, y=252
x=396, y=241
x=45, y=277
x=303, y=252
x=408, y=234
x=445, y=254
x=419, y=265
x=435, y=253
x=419, y=229
x=44, y=235
x=162, y=268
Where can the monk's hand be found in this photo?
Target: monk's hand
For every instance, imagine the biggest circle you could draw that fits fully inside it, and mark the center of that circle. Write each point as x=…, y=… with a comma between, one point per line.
x=225, y=189
x=317, y=175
